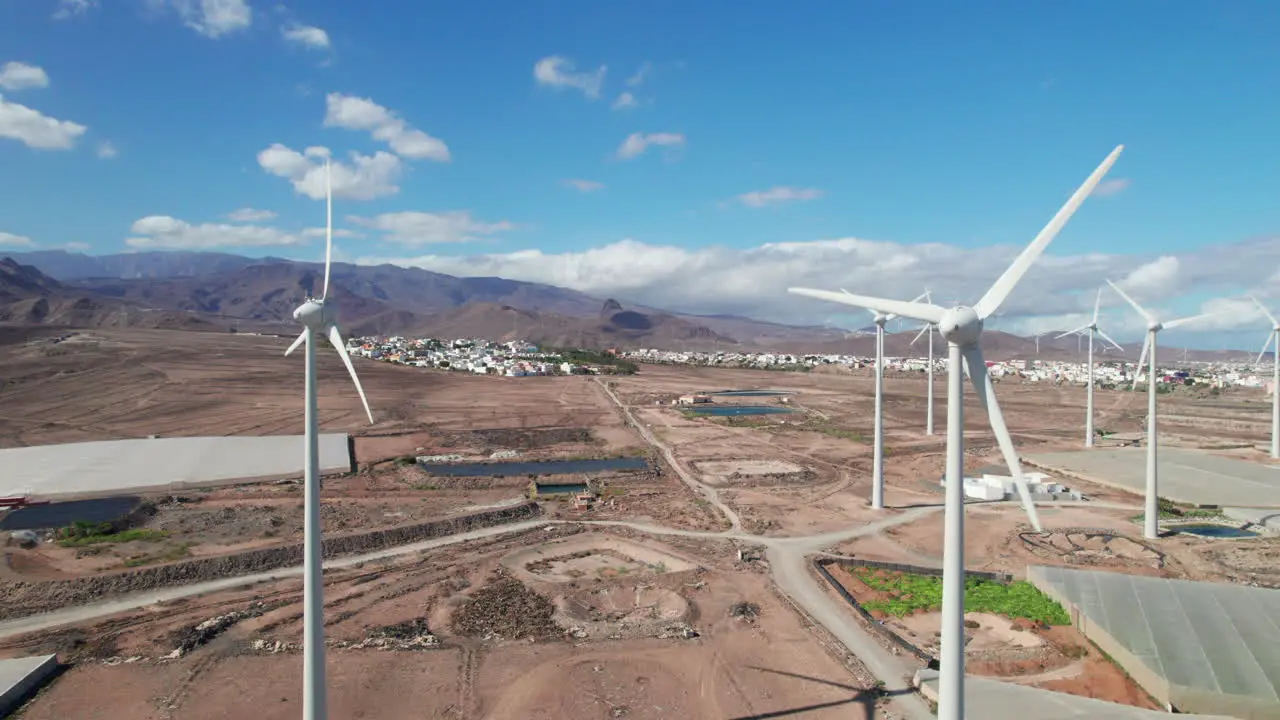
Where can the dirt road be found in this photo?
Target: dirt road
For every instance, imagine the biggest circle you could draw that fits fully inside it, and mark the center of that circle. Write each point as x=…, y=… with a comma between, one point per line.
x=710, y=493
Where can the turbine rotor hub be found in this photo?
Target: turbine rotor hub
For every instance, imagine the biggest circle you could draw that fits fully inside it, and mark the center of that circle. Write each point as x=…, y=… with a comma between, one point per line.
x=961, y=326
x=881, y=319
x=314, y=314
x=1155, y=326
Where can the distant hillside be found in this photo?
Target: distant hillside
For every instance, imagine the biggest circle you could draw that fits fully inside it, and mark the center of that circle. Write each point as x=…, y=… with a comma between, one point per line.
x=199, y=289
x=29, y=297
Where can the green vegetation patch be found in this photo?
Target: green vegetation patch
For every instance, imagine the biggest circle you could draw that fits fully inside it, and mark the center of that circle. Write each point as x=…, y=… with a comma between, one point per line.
x=1170, y=510
x=909, y=593
x=86, y=533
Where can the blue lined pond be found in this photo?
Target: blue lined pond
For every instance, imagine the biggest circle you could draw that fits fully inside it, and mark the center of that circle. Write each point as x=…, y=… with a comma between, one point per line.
x=737, y=410
x=1210, y=530
x=536, y=467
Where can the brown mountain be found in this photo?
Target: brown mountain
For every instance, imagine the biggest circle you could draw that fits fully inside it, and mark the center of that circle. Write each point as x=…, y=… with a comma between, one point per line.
x=29, y=297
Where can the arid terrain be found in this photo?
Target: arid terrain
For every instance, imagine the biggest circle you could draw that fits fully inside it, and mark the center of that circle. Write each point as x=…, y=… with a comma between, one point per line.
x=685, y=590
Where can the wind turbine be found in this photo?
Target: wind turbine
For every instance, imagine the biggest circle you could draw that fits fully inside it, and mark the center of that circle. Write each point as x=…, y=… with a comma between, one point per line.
x=928, y=328
x=319, y=319
x=961, y=327
x=1092, y=327
x=1275, y=381
x=1150, y=513
x=877, y=464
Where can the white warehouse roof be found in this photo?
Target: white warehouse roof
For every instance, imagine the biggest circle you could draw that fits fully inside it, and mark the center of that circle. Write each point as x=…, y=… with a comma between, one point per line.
x=113, y=467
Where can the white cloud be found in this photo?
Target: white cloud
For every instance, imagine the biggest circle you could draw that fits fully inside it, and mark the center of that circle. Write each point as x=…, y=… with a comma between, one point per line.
x=212, y=18
x=107, y=150
x=249, y=215
x=776, y=195
x=1055, y=295
x=36, y=130
x=421, y=228
x=1152, y=280
x=625, y=101
x=640, y=75
x=307, y=36
x=161, y=231
x=560, y=72
x=366, y=177
x=76, y=246
x=637, y=143
x=318, y=232
x=354, y=113
x=585, y=186
x=1112, y=186
x=11, y=240
x=20, y=76
x=73, y=8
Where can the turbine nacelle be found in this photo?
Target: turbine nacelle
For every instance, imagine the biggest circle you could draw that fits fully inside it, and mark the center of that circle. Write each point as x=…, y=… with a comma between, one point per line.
x=1155, y=326
x=961, y=325
x=315, y=314
x=881, y=319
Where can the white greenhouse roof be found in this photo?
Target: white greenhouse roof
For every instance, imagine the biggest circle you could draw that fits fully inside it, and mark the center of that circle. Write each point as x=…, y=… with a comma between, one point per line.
x=1191, y=476
x=1203, y=647
x=992, y=699
x=113, y=467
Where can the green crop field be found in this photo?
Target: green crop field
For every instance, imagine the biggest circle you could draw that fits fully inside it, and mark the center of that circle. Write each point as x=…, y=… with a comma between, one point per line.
x=923, y=593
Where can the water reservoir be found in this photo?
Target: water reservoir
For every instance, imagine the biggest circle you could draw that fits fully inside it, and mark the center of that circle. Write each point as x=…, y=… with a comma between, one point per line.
x=737, y=410
x=1210, y=530
x=545, y=467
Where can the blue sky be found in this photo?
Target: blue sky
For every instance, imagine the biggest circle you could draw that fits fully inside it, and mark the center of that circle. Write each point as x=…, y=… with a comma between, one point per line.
x=888, y=146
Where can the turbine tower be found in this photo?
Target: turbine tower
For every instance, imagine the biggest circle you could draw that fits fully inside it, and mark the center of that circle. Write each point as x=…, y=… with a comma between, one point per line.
x=1274, y=336
x=961, y=327
x=928, y=328
x=1092, y=328
x=1151, y=510
x=877, y=464
x=318, y=318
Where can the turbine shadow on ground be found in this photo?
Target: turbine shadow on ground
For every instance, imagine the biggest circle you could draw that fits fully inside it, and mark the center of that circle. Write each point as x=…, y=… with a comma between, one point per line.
x=865, y=698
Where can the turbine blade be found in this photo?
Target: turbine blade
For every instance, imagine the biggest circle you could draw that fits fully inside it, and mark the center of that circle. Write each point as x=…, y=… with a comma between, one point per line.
x=985, y=388
x=296, y=343
x=920, y=334
x=1134, y=303
x=335, y=338
x=328, y=228
x=964, y=363
x=1107, y=337
x=1270, y=336
x=1188, y=320
x=1072, y=332
x=1097, y=305
x=1264, y=310
x=915, y=311
x=1001, y=289
x=1146, y=345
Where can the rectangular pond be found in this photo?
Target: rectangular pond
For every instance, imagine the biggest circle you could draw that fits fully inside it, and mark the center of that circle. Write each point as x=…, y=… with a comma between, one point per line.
x=737, y=410
x=536, y=467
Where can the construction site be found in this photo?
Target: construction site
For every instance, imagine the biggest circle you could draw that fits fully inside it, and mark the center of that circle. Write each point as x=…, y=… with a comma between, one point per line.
x=562, y=546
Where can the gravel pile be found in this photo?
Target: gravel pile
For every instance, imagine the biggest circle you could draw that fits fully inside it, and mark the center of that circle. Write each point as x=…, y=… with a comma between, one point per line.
x=505, y=609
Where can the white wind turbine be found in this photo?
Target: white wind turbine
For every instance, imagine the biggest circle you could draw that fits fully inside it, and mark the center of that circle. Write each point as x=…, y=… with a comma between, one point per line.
x=961, y=327
x=1151, y=510
x=318, y=318
x=1273, y=336
x=928, y=328
x=1092, y=329
x=877, y=464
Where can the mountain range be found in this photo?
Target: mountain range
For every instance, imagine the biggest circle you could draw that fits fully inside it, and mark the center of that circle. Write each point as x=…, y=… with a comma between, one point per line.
x=220, y=291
